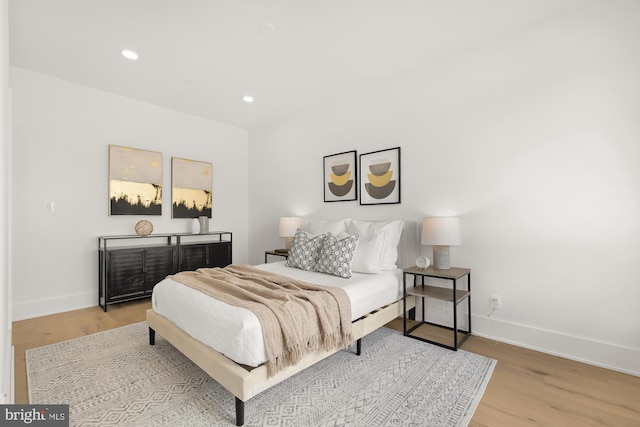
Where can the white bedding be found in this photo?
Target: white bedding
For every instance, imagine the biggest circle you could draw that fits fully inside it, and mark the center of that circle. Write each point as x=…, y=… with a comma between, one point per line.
x=236, y=332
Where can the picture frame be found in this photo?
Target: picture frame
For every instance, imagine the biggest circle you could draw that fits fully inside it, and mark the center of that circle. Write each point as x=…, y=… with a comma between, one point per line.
x=380, y=177
x=135, y=181
x=191, y=188
x=340, y=177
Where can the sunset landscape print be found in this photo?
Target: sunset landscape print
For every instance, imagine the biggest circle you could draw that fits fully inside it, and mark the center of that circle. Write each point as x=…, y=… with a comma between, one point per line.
x=135, y=181
x=191, y=193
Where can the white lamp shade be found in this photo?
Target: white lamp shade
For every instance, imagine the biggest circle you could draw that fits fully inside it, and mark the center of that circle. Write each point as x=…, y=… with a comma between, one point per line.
x=288, y=226
x=441, y=231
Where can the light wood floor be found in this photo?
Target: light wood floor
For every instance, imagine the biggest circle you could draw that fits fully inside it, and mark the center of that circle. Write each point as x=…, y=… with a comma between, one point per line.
x=527, y=388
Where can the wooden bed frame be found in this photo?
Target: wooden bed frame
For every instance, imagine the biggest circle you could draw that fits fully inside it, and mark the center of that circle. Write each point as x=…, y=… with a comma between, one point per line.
x=243, y=383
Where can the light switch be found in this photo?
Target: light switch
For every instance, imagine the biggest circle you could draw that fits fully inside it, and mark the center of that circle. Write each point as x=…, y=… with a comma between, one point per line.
x=50, y=207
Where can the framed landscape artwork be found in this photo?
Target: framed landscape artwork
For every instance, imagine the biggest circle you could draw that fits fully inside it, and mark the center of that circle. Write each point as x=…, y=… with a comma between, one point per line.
x=135, y=181
x=340, y=177
x=191, y=183
x=380, y=177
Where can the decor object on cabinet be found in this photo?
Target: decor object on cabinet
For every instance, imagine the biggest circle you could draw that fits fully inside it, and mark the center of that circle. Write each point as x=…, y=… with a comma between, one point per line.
x=195, y=226
x=127, y=273
x=191, y=193
x=422, y=262
x=135, y=181
x=203, y=221
x=143, y=228
x=380, y=177
x=340, y=177
x=441, y=232
x=287, y=227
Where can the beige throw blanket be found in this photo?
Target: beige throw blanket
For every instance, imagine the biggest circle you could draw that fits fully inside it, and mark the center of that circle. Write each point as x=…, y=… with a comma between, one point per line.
x=296, y=317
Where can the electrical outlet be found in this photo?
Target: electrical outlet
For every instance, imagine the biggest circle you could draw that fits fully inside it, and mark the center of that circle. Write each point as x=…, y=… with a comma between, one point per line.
x=495, y=301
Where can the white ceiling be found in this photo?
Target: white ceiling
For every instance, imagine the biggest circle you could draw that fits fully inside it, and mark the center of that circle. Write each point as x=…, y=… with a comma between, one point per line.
x=202, y=56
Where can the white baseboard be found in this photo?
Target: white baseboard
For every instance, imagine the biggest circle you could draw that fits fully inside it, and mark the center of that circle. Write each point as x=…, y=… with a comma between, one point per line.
x=45, y=307
x=580, y=349
x=6, y=390
x=12, y=387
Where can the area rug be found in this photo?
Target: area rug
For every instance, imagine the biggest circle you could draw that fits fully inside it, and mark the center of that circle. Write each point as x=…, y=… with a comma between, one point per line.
x=115, y=378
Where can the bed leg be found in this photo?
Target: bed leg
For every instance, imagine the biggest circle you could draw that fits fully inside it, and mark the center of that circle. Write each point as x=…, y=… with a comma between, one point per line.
x=359, y=347
x=152, y=337
x=239, y=412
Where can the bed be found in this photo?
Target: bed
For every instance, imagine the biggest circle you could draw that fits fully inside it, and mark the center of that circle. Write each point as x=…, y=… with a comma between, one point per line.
x=233, y=352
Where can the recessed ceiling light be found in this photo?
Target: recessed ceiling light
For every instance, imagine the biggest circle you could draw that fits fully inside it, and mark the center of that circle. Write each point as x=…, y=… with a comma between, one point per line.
x=248, y=99
x=129, y=54
x=266, y=28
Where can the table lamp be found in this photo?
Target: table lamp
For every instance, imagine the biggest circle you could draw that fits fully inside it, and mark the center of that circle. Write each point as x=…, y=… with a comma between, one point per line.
x=441, y=232
x=287, y=228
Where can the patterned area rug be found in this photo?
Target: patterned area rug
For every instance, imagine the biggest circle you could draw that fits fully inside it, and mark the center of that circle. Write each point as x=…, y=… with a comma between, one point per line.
x=115, y=378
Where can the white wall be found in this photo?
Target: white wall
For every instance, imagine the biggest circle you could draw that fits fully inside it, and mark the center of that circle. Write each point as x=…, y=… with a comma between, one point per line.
x=61, y=134
x=533, y=140
x=6, y=362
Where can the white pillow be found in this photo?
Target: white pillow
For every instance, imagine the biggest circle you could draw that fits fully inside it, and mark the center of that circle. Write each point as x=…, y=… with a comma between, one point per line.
x=368, y=256
x=393, y=231
x=316, y=226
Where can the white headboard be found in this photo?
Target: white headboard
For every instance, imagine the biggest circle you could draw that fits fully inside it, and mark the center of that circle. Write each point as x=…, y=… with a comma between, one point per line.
x=409, y=247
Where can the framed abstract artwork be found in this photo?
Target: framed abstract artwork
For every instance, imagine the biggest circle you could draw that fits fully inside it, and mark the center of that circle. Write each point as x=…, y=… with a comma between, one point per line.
x=191, y=183
x=380, y=177
x=135, y=181
x=340, y=177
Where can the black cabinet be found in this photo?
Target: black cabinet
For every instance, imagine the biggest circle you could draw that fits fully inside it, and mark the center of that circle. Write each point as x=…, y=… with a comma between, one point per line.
x=125, y=269
x=133, y=272
x=129, y=270
x=158, y=264
x=194, y=256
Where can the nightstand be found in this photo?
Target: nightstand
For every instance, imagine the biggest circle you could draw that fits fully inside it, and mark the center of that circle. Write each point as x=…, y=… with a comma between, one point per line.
x=276, y=252
x=454, y=295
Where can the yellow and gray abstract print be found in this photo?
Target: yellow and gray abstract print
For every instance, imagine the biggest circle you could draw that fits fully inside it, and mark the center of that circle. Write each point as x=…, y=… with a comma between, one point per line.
x=340, y=177
x=380, y=177
x=380, y=185
x=340, y=183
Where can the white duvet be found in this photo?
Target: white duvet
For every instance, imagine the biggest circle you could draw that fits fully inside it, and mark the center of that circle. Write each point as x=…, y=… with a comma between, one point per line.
x=236, y=332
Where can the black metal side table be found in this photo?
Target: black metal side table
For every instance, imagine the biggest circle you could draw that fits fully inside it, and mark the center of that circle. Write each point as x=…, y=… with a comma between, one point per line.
x=454, y=295
x=276, y=252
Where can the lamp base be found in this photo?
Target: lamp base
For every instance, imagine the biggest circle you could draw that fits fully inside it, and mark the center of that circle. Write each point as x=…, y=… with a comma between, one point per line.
x=441, y=258
x=287, y=242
